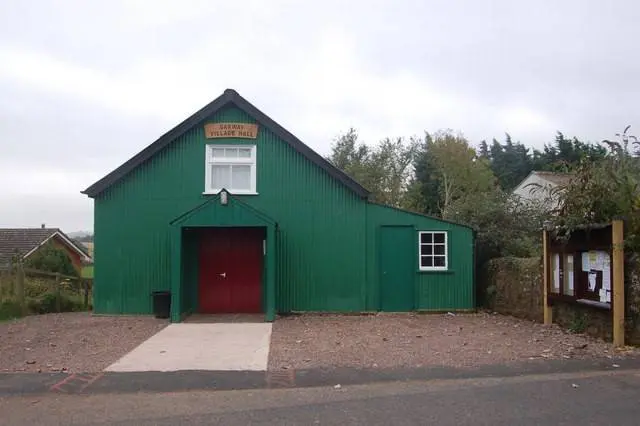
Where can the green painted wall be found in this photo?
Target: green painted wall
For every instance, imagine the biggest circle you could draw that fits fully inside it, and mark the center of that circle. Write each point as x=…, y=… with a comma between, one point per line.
x=435, y=290
x=190, y=243
x=326, y=235
x=321, y=260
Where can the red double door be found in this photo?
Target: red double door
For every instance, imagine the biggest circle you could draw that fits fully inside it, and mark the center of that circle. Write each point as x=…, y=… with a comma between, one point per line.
x=230, y=270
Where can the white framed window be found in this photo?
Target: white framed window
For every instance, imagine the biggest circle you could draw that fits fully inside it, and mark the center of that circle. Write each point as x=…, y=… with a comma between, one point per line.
x=232, y=167
x=432, y=251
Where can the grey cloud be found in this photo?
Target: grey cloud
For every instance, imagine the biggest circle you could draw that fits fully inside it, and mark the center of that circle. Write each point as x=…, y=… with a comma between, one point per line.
x=68, y=212
x=573, y=62
x=47, y=129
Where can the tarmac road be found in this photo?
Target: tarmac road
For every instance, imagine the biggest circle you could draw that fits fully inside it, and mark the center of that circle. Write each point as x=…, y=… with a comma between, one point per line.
x=577, y=398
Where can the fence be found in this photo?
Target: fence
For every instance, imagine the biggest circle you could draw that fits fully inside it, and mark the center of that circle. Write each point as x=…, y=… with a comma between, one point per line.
x=29, y=290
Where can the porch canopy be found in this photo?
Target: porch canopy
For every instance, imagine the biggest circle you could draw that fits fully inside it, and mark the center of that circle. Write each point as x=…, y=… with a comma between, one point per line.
x=222, y=210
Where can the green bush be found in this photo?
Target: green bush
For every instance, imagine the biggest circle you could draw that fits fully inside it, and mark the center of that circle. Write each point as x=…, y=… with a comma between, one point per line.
x=34, y=288
x=578, y=323
x=9, y=309
x=48, y=303
x=52, y=259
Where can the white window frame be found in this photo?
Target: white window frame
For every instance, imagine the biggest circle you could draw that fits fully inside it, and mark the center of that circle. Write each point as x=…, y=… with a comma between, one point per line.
x=432, y=244
x=209, y=161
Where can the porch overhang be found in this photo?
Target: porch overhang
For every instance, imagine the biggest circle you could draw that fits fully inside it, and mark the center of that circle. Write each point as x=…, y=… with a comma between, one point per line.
x=222, y=210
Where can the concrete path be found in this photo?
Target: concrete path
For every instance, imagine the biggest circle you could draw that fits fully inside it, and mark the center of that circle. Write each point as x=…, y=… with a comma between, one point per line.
x=230, y=347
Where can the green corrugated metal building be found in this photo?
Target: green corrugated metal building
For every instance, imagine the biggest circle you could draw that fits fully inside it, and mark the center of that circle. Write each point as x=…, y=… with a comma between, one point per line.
x=232, y=213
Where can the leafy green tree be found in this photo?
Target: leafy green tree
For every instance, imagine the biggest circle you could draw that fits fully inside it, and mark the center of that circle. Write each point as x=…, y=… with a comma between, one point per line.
x=385, y=169
x=603, y=189
x=504, y=225
x=510, y=162
x=483, y=151
x=51, y=259
x=424, y=192
x=564, y=154
x=448, y=169
x=351, y=156
x=348, y=154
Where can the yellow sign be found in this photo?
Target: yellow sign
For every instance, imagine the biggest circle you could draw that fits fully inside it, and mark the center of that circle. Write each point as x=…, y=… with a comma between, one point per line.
x=231, y=130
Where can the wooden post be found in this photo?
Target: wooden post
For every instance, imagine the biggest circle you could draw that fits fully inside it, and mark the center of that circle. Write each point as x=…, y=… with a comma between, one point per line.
x=618, y=283
x=546, y=309
x=85, y=285
x=57, y=291
x=20, y=287
x=12, y=283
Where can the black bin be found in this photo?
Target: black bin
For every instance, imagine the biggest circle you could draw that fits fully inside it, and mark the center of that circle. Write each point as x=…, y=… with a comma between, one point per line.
x=161, y=303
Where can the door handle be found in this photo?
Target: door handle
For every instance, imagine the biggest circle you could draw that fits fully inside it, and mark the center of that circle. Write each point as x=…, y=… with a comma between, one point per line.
x=223, y=275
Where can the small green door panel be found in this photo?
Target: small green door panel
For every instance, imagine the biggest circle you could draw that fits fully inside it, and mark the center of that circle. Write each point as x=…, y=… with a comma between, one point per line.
x=396, y=250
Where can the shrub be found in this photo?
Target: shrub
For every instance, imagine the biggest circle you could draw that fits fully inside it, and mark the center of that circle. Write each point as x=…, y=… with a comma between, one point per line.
x=10, y=309
x=34, y=288
x=578, y=323
x=48, y=303
x=52, y=259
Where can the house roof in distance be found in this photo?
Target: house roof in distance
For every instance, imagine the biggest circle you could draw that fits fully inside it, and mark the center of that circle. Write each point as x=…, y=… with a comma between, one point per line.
x=555, y=177
x=229, y=97
x=24, y=241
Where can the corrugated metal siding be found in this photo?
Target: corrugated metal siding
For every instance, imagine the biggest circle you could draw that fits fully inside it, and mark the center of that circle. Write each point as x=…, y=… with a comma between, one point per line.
x=327, y=257
x=321, y=245
x=321, y=234
x=451, y=289
x=131, y=226
x=190, y=246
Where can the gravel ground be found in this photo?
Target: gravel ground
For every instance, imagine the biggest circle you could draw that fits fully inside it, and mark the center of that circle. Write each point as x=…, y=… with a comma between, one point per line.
x=73, y=342
x=411, y=340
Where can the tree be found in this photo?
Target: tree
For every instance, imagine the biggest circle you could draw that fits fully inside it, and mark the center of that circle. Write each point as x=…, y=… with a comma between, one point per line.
x=510, y=162
x=384, y=169
x=423, y=194
x=349, y=155
x=483, y=151
x=448, y=170
x=602, y=189
x=51, y=259
x=505, y=226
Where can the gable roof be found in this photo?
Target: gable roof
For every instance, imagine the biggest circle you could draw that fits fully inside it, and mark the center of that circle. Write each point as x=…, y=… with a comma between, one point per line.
x=229, y=97
x=424, y=215
x=554, y=178
x=25, y=241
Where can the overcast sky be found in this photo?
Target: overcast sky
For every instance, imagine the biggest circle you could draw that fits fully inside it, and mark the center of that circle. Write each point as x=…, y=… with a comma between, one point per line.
x=84, y=85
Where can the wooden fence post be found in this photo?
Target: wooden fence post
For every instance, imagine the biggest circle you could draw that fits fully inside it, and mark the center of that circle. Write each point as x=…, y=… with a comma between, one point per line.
x=618, y=282
x=85, y=285
x=546, y=309
x=12, y=283
x=57, y=292
x=20, y=287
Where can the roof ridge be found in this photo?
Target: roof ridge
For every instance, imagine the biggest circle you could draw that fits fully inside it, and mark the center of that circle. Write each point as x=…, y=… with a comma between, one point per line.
x=30, y=227
x=227, y=97
x=546, y=172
